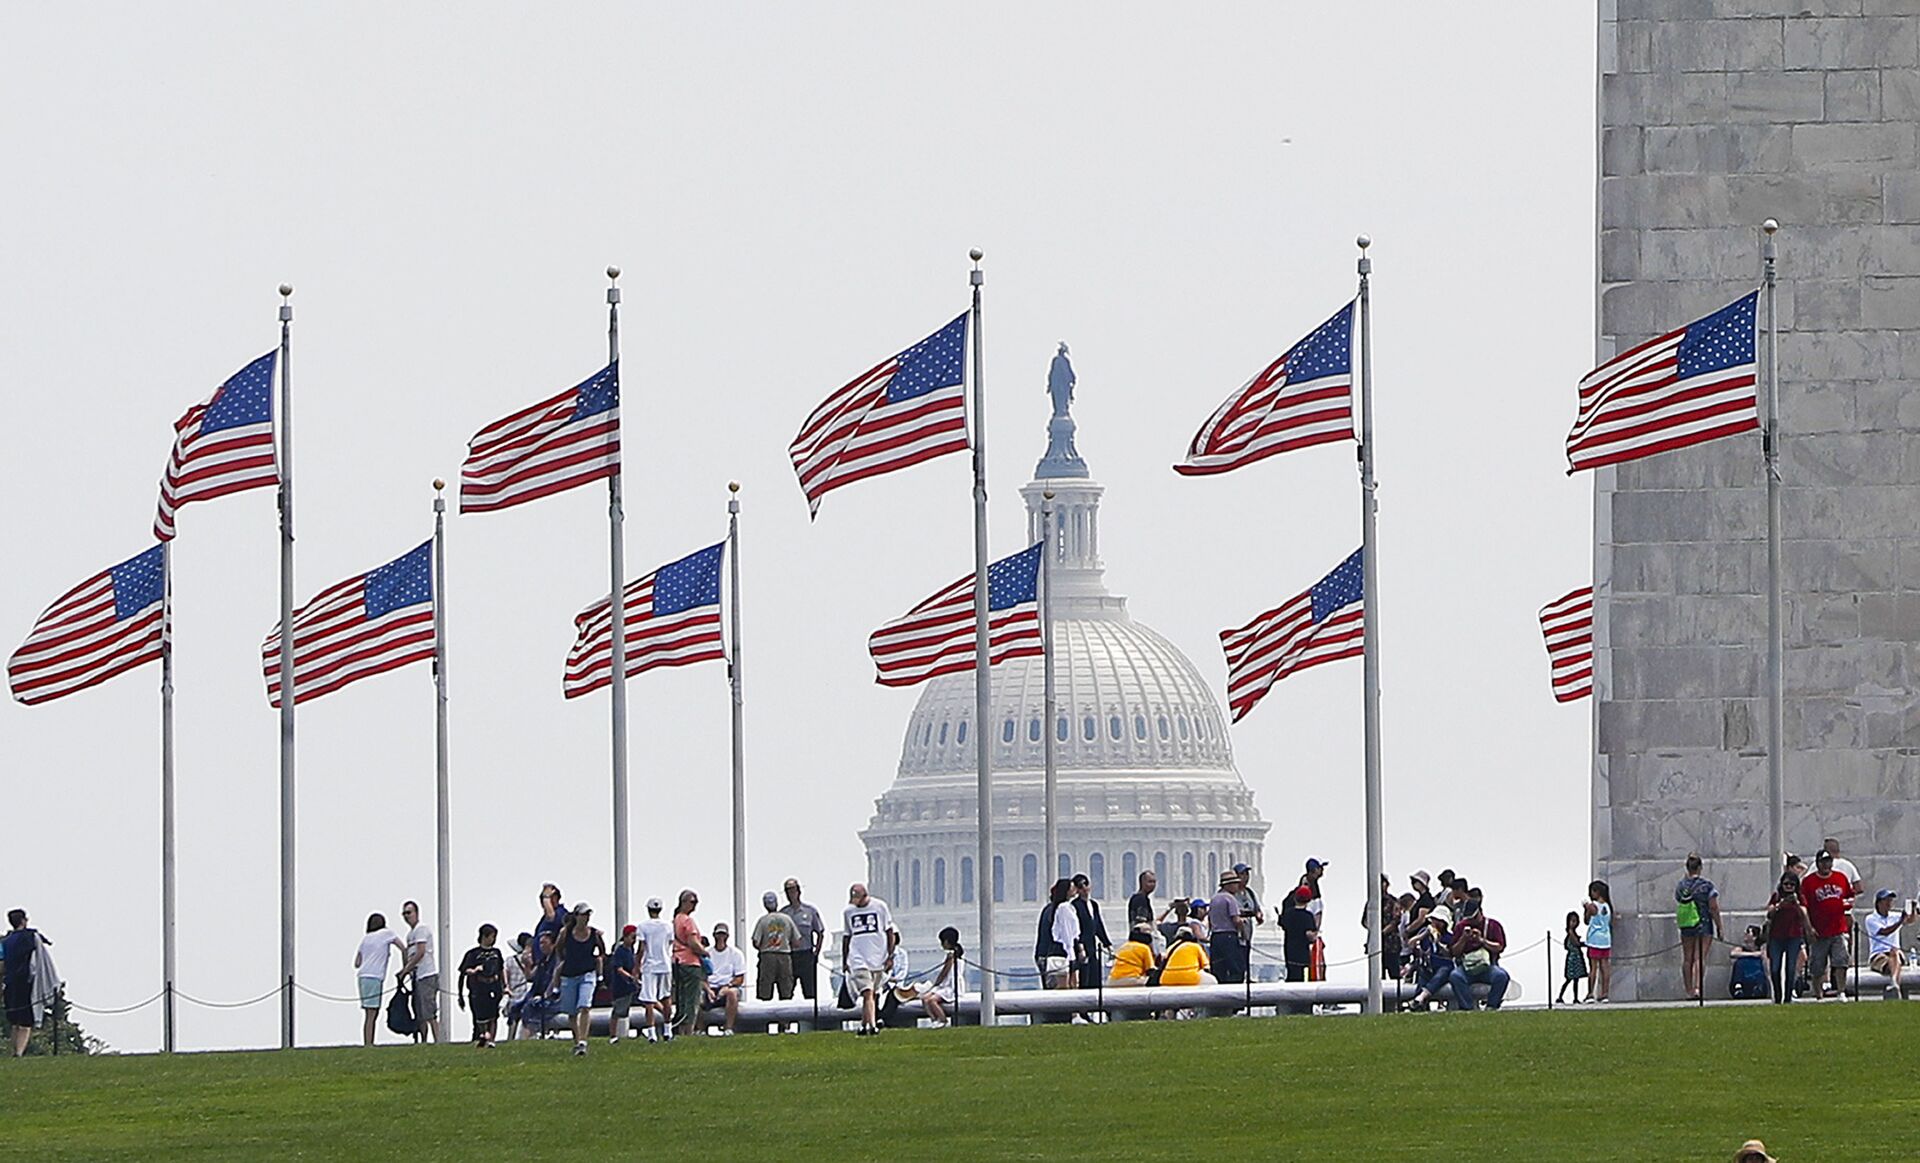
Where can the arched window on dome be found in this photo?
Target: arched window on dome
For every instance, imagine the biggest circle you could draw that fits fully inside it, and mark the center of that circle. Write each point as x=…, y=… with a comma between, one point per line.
x=999, y=879
x=1033, y=730
x=916, y=882
x=1129, y=870
x=1182, y=720
x=1097, y=874
x=1060, y=729
x=1163, y=727
x=1066, y=867
x=1006, y=731
x=1213, y=868
x=966, y=880
x=1140, y=727
x=1114, y=729
x=1089, y=729
x=939, y=880
x=943, y=734
x=1186, y=873
x=1029, y=876
x=960, y=733
x=1160, y=868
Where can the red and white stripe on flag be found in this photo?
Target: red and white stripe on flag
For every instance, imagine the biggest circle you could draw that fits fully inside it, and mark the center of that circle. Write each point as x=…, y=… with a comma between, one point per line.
x=1679, y=389
x=1324, y=624
x=1302, y=399
x=936, y=637
x=106, y=625
x=1567, y=625
x=224, y=445
x=364, y=626
x=558, y=444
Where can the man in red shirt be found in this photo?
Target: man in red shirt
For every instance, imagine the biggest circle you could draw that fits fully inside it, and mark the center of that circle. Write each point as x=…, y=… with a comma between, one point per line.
x=1829, y=899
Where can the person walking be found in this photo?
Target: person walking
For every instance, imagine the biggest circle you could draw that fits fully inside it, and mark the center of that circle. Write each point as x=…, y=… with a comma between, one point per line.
x=623, y=980
x=1786, y=936
x=689, y=964
x=583, y=959
x=810, y=936
x=1698, y=917
x=656, y=973
x=1598, y=910
x=17, y=952
x=867, y=941
x=482, y=977
x=370, y=964
x=774, y=937
x=1828, y=894
x=425, y=969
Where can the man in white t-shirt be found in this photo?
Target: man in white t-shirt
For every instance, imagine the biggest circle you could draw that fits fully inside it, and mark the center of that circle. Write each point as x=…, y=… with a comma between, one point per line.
x=655, y=994
x=426, y=974
x=1883, y=939
x=867, y=941
x=1841, y=863
x=728, y=978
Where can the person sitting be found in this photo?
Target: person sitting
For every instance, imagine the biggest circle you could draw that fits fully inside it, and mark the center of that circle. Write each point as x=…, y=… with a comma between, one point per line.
x=1186, y=963
x=1748, y=980
x=728, y=978
x=1133, y=961
x=938, y=993
x=1883, y=941
x=1434, y=944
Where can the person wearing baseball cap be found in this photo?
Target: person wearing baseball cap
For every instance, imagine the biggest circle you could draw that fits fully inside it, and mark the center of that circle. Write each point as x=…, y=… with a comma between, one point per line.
x=623, y=981
x=1883, y=940
x=774, y=938
x=1316, y=868
x=655, y=992
x=1828, y=895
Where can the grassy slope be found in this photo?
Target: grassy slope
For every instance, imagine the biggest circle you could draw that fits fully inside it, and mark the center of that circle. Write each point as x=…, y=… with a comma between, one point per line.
x=1648, y=1085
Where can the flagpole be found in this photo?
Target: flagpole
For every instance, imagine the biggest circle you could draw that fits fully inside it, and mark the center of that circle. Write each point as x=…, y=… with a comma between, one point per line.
x=616, y=559
x=167, y=947
x=1046, y=631
x=443, y=842
x=982, y=660
x=1776, y=624
x=1370, y=581
x=739, y=728
x=285, y=427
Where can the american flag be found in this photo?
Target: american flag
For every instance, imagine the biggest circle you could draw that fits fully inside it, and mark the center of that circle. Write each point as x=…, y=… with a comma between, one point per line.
x=1301, y=399
x=222, y=446
x=908, y=408
x=106, y=625
x=1326, y=623
x=366, y=625
x=572, y=439
x=1567, y=625
x=937, y=636
x=1685, y=387
x=673, y=618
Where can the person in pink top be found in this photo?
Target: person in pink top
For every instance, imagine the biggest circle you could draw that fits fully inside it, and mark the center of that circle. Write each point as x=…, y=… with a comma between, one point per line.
x=689, y=963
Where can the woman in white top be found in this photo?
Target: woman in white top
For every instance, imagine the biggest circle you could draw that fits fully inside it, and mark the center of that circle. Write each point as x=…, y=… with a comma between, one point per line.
x=371, y=961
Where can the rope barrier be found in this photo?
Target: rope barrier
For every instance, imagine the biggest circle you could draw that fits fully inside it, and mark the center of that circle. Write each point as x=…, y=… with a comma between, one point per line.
x=227, y=1005
x=139, y=1005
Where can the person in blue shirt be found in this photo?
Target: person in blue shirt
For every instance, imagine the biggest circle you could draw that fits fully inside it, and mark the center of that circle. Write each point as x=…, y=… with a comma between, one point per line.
x=16, y=972
x=622, y=982
x=1435, y=943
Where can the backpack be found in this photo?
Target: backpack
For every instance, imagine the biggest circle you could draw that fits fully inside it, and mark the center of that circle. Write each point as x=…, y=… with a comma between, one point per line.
x=1688, y=914
x=400, y=1016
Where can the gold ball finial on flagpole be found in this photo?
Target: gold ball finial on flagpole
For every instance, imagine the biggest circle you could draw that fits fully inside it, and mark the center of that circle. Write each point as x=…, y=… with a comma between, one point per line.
x=1364, y=241
x=1770, y=225
x=613, y=272
x=286, y=289
x=733, y=486
x=439, y=485
x=976, y=254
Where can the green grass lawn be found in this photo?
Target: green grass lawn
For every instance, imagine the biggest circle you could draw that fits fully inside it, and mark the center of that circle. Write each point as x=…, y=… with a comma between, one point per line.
x=1817, y=1082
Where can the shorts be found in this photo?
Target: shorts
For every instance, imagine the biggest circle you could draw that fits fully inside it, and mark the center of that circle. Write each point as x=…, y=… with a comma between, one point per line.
x=655, y=986
x=775, y=974
x=484, y=1004
x=1880, y=962
x=576, y=993
x=1703, y=929
x=1599, y=953
x=864, y=980
x=370, y=990
x=1823, y=952
x=426, y=997
x=622, y=1005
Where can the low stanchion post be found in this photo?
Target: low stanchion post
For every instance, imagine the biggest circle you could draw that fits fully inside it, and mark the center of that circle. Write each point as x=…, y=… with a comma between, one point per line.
x=59, y=1003
x=1549, y=968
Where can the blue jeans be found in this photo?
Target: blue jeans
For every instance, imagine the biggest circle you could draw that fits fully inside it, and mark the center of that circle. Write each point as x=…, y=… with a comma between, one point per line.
x=1782, y=953
x=1434, y=984
x=1496, y=979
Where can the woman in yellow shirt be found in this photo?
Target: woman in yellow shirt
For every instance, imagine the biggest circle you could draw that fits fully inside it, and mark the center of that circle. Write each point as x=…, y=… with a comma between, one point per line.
x=1186, y=963
x=1134, y=959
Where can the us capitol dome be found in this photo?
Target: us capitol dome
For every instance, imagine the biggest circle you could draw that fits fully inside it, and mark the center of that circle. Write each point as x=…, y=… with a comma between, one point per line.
x=1144, y=767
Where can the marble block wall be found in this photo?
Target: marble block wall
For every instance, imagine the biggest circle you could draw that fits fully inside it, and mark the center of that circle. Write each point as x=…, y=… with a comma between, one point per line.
x=1715, y=115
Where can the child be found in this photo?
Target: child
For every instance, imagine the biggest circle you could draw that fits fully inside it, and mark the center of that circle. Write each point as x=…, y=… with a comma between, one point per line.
x=1598, y=908
x=1749, y=977
x=483, y=978
x=936, y=995
x=1576, y=958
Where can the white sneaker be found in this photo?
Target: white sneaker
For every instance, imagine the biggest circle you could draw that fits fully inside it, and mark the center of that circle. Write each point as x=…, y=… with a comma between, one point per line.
x=773, y=1031
x=579, y=1049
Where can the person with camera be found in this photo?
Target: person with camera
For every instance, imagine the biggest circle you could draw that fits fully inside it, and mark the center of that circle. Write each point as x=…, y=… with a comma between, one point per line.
x=1786, y=936
x=1883, y=940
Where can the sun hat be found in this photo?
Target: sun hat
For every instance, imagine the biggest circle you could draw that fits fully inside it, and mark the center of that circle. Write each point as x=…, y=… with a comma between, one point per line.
x=1441, y=913
x=1423, y=876
x=1753, y=1151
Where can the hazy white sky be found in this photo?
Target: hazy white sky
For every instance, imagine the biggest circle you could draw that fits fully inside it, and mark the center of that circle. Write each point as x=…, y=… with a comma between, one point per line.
x=792, y=191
